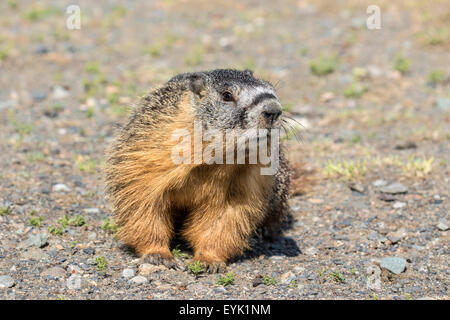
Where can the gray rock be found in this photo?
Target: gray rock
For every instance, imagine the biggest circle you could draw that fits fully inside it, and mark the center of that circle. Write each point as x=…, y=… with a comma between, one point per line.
x=74, y=282
x=38, y=95
x=35, y=254
x=443, y=103
x=395, y=188
x=287, y=278
x=373, y=236
x=41, y=49
x=399, y=205
x=442, y=226
x=138, y=280
x=7, y=104
x=197, y=288
x=92, y=236
x=128, y=273
x=60, y=187
x=74, y=269
x=6, y=282
x=147, y=268
x=39, y=241
x=59, y=93
x=379, y=183
x=92, y=211
x=89, y=251
x=357, y=187
x=55, y=272
x=394, y=264
x=311, y=251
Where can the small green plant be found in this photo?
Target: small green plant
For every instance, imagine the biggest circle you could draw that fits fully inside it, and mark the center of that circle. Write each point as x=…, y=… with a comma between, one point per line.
x=176, y=252
x=12, y=4
x=249, y=64
x=60, y=297
x=72, y=244
x=90, y=112
x=155, y=50
x=195, y=56
x=226, y=280
x=323, y=65
x=196, y=267
x=374, y=296
x=436, y=76
x=40, y=12
x=321, y=273
x=408, y=296
x=345, y=169
x=4, y=53
x=338, y=277
x=56, y=230
x=101, y=264
x=269, y=281
x=77, y=221
x=21, y=128
x=110, y=225
x=355, y=90
x=92, y=67
x=35, y=221
x=86, y=164
x=35, y=156
x=119, y=11
x=402, y=64
x=4, y=211
x=418, y=167
x=287, y=107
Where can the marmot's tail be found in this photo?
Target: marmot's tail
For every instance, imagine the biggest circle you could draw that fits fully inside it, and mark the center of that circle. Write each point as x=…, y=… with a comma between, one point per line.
x=303, y=177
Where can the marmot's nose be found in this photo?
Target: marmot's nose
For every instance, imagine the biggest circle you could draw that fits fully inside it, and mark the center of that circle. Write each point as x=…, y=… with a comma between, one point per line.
x=272, y=112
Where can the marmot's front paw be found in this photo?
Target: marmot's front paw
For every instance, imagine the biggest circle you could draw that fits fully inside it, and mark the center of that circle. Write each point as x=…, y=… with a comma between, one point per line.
x=159, y=259
x=216, y=267
x=211, y=263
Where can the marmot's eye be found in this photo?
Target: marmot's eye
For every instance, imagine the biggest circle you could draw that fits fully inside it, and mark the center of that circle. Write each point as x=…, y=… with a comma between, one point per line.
x=227, y=96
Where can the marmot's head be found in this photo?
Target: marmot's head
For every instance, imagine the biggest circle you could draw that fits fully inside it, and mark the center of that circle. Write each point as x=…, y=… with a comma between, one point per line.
x=232, y=99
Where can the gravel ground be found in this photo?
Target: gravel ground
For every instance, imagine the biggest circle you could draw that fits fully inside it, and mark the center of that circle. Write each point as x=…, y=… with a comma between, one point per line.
x=375, y=136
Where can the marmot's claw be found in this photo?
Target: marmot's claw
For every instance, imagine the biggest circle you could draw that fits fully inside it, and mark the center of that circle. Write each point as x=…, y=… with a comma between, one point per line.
x=158, y=259
x=216, y=267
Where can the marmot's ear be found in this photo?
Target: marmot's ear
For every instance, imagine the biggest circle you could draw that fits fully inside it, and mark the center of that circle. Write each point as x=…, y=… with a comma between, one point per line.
x=249, y=72
x=197, y=84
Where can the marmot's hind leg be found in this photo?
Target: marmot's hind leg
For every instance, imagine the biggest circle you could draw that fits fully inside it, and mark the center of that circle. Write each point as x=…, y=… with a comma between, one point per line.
x=278, y=210
x=150, y=234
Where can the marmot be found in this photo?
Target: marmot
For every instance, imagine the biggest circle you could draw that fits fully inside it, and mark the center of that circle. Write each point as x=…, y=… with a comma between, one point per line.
x=216, y=208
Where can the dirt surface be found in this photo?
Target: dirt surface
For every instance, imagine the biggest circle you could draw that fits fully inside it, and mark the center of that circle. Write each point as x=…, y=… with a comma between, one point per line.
x=380, y=115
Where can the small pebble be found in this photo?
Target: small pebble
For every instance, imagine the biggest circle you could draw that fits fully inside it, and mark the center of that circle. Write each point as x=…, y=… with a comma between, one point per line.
x=128, y=273
x=56, y=272
x=394, y=264
x=395, y=188
x=138, y=280
x=399, y=205
x=6, y=282
x=60, y=187
x=442, y=226
x=92, y=211
x=379, y=183
x=39, y=241
x=74, y=282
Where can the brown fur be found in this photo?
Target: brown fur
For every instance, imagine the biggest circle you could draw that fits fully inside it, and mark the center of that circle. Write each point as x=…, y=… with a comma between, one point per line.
x=225, y=202
x=218, y=207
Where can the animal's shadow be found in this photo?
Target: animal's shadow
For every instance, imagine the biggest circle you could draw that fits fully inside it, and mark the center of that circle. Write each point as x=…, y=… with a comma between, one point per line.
x=282, y=246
